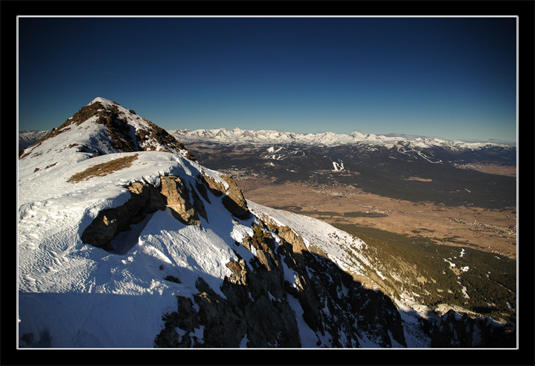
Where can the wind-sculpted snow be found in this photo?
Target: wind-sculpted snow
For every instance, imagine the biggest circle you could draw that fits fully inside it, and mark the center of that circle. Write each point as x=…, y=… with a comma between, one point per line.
x=72, y=294
x=60, y=276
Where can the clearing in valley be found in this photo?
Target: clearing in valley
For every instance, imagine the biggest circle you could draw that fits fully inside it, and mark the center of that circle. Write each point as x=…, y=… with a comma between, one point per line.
x=489, y=230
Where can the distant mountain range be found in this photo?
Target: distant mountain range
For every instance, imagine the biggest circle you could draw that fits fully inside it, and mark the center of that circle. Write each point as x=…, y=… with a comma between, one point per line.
x=29, y=137
x=385, y=162
x=239, y=136
x=492, y=141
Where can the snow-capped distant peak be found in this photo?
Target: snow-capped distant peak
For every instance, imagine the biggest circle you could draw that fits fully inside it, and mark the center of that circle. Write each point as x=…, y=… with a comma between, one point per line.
x=239, y=136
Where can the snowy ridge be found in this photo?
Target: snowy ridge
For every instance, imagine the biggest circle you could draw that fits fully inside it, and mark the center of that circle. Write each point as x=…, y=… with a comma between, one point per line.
x=336, y=243
x=55, y=266
x=239, y=136
x=101, y=127
x=75, y=295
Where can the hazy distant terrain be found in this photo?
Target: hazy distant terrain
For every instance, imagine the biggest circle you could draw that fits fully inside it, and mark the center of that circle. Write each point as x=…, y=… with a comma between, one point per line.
x=410, y=169
x=29, y=137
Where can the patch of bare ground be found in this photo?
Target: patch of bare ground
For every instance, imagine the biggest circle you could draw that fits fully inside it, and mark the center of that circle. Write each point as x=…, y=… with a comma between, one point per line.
x=420, y=179
x=479, y=228
x=507, y=170
x=101, y=170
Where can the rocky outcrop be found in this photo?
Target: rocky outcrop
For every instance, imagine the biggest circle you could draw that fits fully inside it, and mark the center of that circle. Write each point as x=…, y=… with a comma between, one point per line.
x=233, y=198
x=145, y=199
x=178, y=199
x=185, y=201
x=258, y=311
x=255, y=313
x=287, y=234
x=279, y=294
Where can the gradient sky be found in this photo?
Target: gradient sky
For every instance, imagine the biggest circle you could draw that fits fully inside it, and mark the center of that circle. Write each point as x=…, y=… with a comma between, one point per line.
x=448, y=77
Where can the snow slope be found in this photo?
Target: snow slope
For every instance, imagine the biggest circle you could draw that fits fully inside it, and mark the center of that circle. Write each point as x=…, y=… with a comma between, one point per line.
x=75, y=295
x=83, y=296
x=342, y=248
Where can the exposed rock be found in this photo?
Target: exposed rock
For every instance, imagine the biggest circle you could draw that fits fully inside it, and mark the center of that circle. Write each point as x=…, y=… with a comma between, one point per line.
x=245, y=317
x=233, y=198
x=156, y=134
x=178, y=199
x=291, y=237
x=257, y=310
x=216, y=187
x=239, y=270
x=201, y=187
x=186, y=320
x=145, y=199
x=119, y=131
x=198, y=204
x=172, y=279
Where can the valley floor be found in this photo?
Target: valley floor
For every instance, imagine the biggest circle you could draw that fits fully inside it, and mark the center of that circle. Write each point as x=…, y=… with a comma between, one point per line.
x=483, y=229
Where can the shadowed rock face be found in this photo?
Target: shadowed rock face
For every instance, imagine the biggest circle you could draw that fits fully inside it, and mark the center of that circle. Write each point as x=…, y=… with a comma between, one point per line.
x=455, y=330
x=233, y=199
x=145, y=199
x=258, y=310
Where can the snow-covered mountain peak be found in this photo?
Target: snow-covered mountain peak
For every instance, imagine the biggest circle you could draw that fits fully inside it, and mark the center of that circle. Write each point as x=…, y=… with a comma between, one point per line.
x=101, y=127
x=105, y=102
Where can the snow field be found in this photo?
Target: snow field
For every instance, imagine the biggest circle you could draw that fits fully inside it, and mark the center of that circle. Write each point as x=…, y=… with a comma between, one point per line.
x=74, y=295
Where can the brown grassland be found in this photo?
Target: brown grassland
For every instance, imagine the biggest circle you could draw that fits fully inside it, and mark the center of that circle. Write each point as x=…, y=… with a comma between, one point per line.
x=103, y=169
x=488, y=230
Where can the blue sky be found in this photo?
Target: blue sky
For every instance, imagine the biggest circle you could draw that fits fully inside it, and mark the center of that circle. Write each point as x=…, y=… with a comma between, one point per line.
x=448, y=77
